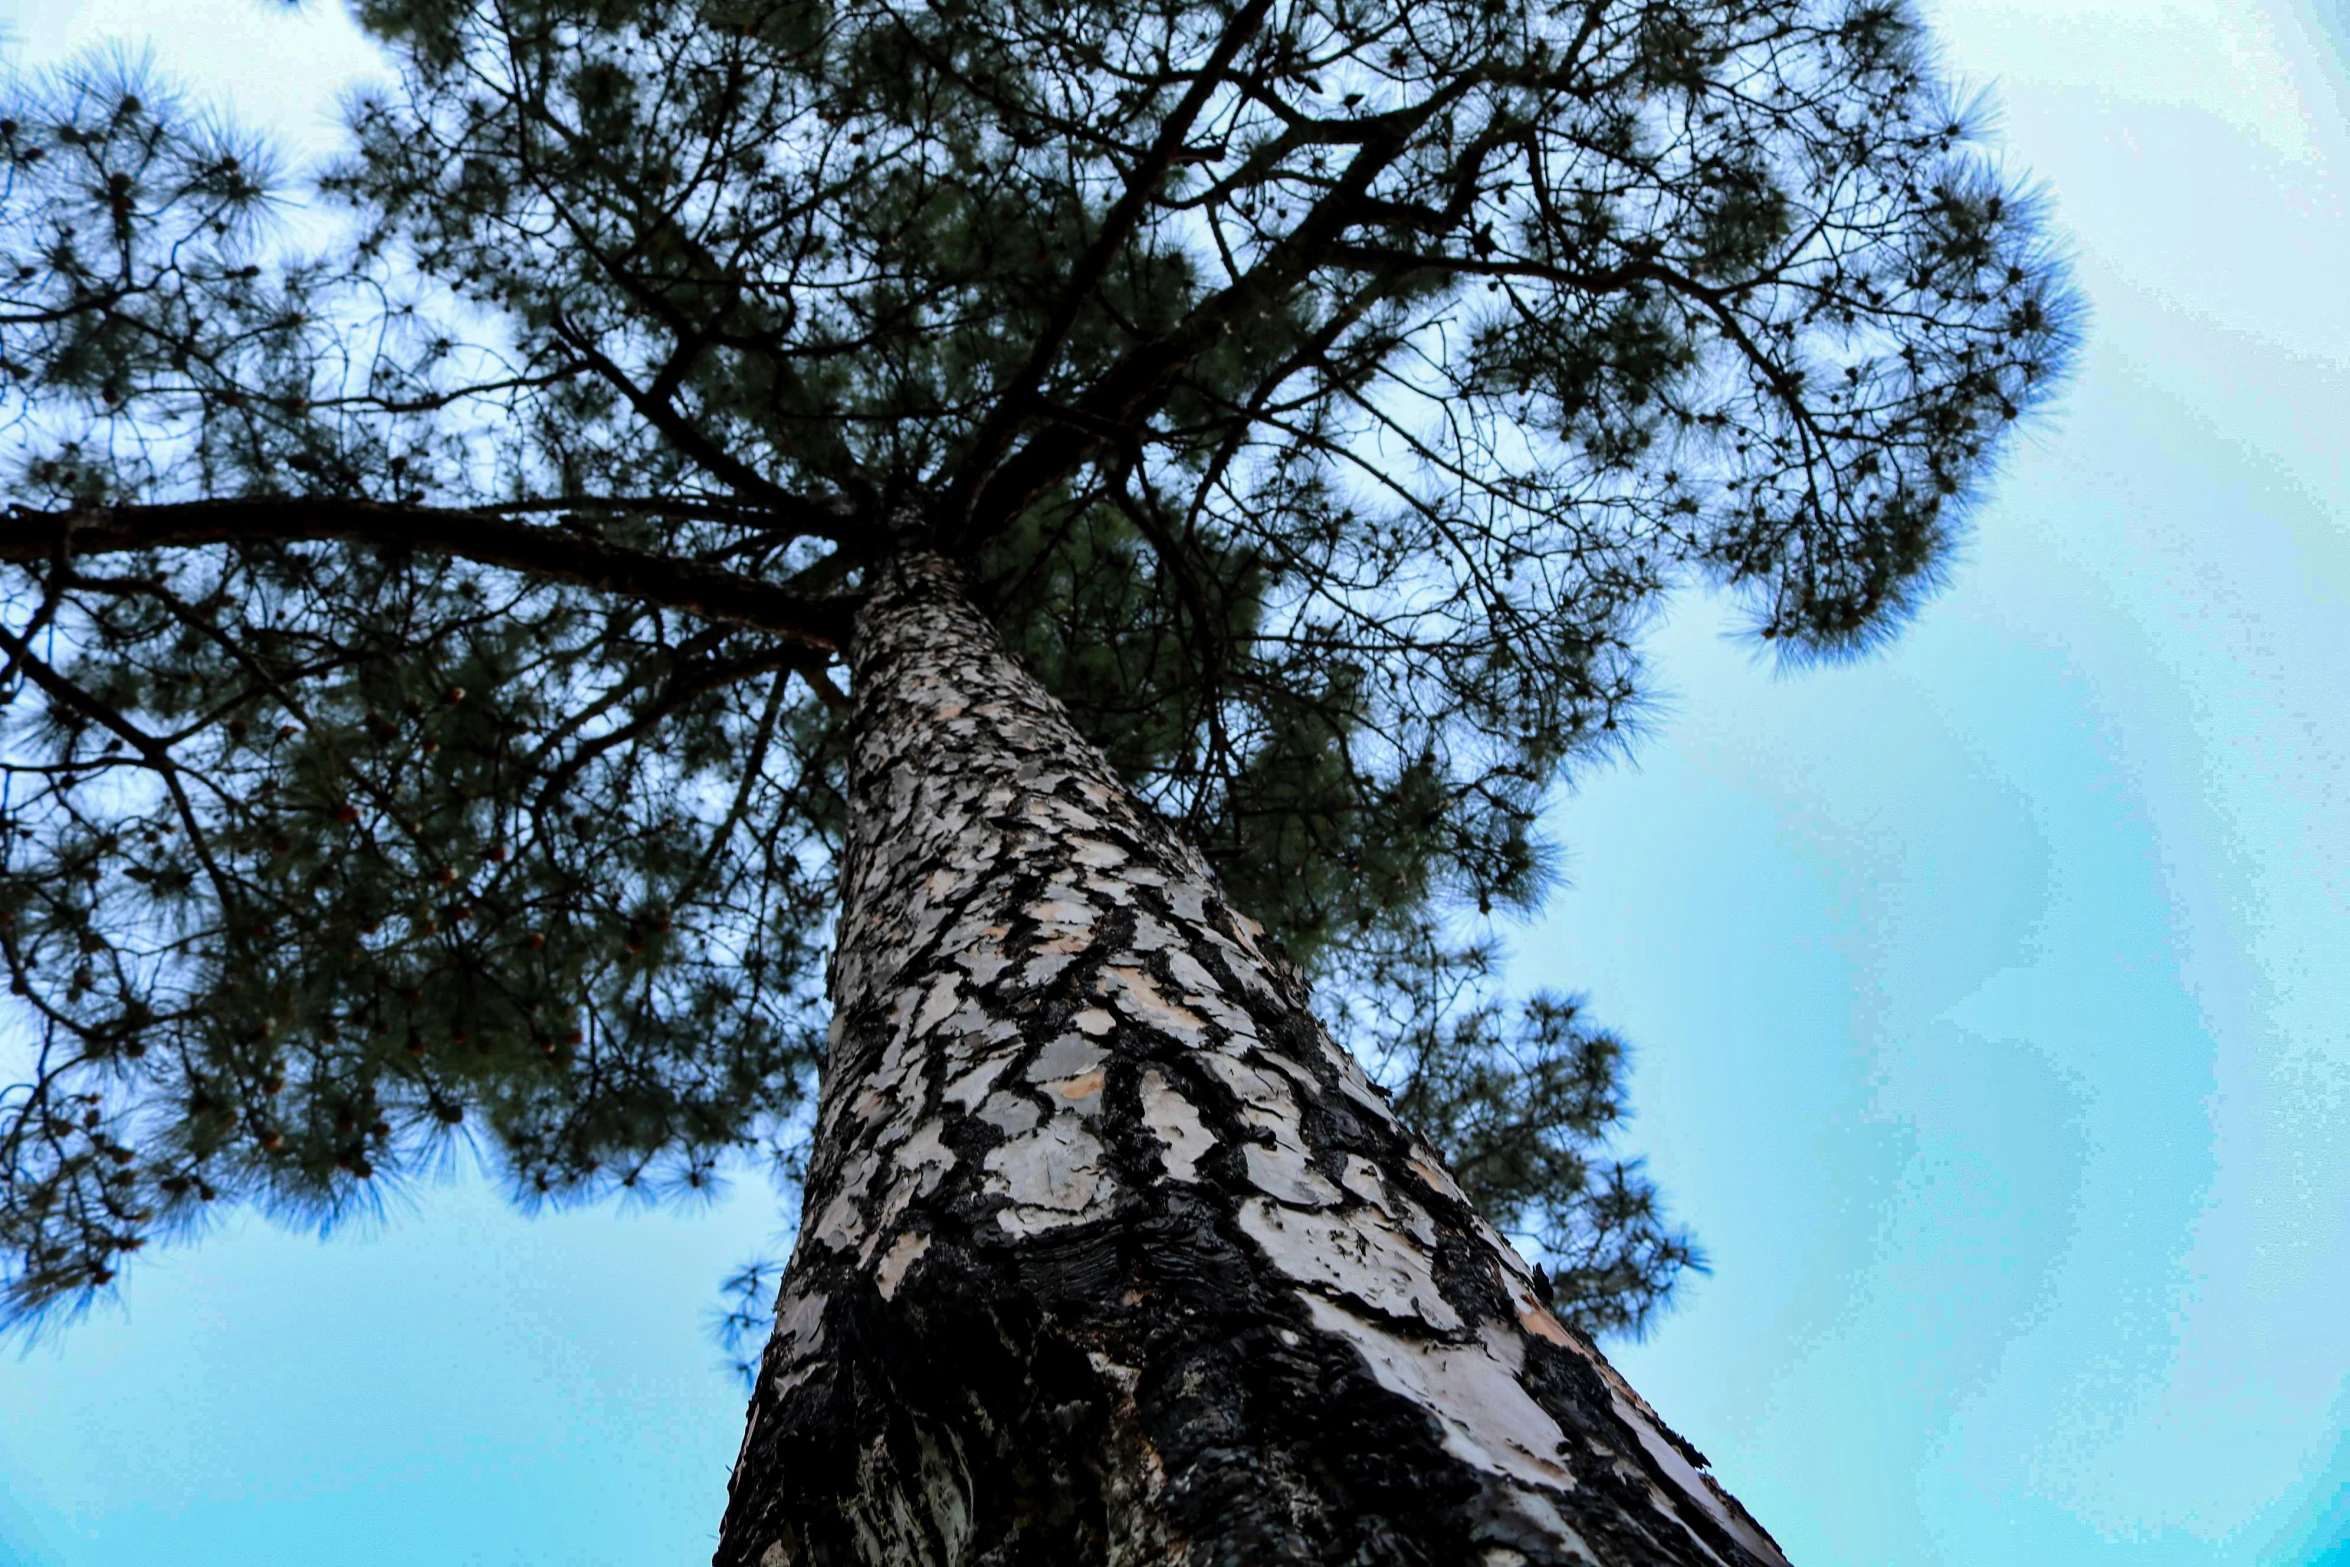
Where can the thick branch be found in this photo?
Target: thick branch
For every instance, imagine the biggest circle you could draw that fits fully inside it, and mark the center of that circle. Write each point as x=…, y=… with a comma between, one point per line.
x=491, y=540
x=995, y=436
x=655, y=408
x=1130, y=389
x=1717, y=302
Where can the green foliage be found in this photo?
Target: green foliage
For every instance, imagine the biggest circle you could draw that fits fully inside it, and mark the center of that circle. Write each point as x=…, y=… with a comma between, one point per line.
x=1524, y=1115
x=1325, y=396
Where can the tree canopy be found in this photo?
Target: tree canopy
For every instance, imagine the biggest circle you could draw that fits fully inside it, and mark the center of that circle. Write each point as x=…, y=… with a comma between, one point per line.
x=421, y=647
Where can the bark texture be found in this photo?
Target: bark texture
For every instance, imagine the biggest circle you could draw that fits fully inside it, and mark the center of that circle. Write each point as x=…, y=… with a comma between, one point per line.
x=1109, y=1254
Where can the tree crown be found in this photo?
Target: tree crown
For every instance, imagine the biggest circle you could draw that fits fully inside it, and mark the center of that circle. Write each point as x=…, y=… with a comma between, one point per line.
x=424, y=655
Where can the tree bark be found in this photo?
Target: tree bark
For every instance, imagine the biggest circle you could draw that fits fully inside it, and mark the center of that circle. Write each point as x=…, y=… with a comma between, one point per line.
x=1108, y=1253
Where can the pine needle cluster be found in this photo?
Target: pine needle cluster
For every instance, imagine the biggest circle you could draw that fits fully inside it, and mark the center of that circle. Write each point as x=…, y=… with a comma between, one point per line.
x=422, y=653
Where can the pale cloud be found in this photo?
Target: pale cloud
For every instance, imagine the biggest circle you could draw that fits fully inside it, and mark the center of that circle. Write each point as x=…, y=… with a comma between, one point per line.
x=2245, y=63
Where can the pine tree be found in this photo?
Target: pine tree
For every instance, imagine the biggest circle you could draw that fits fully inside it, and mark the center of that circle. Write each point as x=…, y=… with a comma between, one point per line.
x=989, y=492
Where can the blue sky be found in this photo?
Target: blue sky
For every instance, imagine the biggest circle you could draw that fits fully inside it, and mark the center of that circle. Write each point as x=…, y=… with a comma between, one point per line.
x=1992, y=994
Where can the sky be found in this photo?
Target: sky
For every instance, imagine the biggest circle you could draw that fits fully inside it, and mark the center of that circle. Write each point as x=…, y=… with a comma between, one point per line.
x=1992, y=994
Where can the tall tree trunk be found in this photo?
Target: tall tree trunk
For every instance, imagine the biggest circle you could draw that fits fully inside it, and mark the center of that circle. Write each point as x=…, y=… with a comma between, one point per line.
x=1109, y=1254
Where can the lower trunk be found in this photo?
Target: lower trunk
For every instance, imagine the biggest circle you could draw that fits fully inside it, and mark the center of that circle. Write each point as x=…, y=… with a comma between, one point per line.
x=1109, y=1255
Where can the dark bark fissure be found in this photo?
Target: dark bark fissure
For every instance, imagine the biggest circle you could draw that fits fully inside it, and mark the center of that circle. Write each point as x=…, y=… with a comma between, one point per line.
x=1108, y=1253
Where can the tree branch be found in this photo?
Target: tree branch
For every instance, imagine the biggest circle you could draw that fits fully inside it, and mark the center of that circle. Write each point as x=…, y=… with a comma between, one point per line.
x=819, y=622
x=1129, y=389
x=654, y=407
x=1003, y=420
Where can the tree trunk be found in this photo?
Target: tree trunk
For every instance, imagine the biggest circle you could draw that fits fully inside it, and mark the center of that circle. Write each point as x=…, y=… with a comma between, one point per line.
x=1109, y=1254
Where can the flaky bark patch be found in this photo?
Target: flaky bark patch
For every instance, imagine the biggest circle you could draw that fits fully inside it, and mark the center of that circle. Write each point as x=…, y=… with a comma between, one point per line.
x=1108, y=1253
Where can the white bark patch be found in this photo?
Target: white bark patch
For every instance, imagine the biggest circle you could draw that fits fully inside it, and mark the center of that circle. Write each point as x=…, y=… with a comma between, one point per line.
x=936, y=1006
x=1356, y=1086
x=1042, y=970
x=1269, y=1106
x=1490, y=1421
x=922, y=1162
x=842, y=1222
x=1512, y=1269
x=1538, y=1517
x=1360, y=1255
x=903, y=1253
x=1361, y=1177
x=1183, y=1138
x=1084, y=1090
x=1151, y=936
x=1133, y=992
x=1282, y=1174
x=1234, y=1022
x=1125, y=1378
x=799, y=1338
x=1191, y=975
x=1051, y=1175
x=1013, y=1114
x=1424, y=1166
x=1066, y=1056
x=1258, y=1091
x=1303, y=1089
x=983, y=965
x=965, y=1030
x=968, y=1089
x=1536, y=1319
x=1117, y=889
x=1064, y=908
x=1095, y=1021
x=1415, y=1221
x=928, y=1156
x=1268, y=1102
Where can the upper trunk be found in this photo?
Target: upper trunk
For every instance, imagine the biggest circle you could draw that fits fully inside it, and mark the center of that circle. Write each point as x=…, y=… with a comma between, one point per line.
x=1109, y=1254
